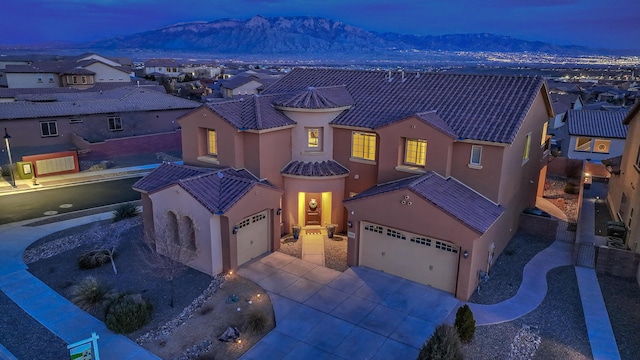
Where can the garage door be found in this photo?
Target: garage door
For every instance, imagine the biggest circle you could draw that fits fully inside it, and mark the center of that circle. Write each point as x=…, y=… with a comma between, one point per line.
x=414, y=257
x=253, y=237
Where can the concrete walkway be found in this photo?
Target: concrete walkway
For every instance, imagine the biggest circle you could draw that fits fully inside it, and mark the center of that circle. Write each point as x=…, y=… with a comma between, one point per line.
x=53, y=311
x=313, y=245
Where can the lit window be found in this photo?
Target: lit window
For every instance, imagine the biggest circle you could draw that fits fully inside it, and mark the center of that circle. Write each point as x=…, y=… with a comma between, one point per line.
x=527, y=148
x=545, y=127
x=48, y=128
x=601, y=146
x=415, y=152
x=212, y=142
x=313, y=139
x=476, y=155
x=583, y=144
x=115, y=123
x=363, y=146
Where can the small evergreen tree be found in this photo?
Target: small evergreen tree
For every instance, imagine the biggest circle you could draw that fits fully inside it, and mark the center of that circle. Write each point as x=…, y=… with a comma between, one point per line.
x=465, y=324
x=444, y=344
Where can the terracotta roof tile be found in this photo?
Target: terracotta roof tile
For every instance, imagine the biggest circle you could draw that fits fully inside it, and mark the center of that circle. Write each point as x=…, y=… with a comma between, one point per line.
x=166, y=175
x=253, y=112
x=597, y=123
x=480, y=107
x=318, y=168
x=319, y=98
x=450, y=195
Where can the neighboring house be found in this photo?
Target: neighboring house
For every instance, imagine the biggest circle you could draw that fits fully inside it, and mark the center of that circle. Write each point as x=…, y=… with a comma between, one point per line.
x=595, y=135
x=164, y=67
x=624, y=194
x=562, y=102
x=241, y=85
x=80, y=72
x=84, y=121
x=203, y=71
x=426, y=173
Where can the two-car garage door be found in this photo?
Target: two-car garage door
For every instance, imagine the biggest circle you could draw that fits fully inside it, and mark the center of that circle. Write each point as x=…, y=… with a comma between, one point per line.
x=414, y=257
x=253, y=236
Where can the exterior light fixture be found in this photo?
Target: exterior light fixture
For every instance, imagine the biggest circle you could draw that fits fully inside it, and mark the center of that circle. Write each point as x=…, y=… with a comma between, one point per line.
x=350, y=224
x=6, y=141
x=235, y=229
x=465, y=254
x=279, y=211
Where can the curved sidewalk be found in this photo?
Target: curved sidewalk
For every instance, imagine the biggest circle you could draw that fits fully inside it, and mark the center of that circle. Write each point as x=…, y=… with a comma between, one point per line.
x=57, y=314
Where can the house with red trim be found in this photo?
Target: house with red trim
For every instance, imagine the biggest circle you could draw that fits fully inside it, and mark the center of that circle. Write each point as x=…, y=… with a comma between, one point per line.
x=426, y=173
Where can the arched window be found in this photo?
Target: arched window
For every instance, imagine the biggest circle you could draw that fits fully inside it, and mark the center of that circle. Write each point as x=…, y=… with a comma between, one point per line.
x=189, y=232
x=172, y=227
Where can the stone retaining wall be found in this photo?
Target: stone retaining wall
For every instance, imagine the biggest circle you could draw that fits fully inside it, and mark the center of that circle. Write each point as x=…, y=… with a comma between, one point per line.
x=538, y=226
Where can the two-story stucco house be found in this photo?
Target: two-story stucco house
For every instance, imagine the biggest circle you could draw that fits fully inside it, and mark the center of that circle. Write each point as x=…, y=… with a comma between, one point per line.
x=624, y=196
x=426, y=173
x=595, y=135
x=81, y=72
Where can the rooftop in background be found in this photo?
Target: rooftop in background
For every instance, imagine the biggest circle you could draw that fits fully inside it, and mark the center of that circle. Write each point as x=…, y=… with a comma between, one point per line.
x=597, y=123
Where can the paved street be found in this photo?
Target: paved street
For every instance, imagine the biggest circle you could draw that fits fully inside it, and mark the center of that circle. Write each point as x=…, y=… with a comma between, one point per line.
x=51, y=201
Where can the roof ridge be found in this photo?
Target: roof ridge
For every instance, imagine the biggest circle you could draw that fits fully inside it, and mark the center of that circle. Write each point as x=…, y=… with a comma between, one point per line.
x=468, y=187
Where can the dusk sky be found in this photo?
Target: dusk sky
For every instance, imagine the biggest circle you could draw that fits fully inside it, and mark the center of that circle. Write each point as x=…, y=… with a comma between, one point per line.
x=611, y=24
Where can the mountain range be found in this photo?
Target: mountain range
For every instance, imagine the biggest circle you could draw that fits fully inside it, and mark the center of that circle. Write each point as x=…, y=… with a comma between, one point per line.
x=314, y=35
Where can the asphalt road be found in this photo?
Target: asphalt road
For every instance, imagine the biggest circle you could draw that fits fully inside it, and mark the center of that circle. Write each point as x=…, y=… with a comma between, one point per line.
x=60, y=200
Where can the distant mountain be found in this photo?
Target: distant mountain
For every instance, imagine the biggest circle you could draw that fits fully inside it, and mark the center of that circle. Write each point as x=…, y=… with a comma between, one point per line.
x=312, y=35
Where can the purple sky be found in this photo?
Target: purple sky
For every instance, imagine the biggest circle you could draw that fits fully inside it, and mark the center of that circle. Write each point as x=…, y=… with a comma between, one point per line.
x=611, y=24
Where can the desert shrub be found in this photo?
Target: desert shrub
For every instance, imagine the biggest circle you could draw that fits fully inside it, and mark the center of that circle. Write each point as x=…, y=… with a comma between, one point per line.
x=128, y=313
x=465, y=324
x=444, y=344
x=93, y=259
x=255, y=321
x=571, y=188
x=90, y=294
x=125, y=211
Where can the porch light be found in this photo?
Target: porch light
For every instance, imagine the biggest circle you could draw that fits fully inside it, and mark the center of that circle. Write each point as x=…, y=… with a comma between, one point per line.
x=279, y=211
x=235, y=229
x=465, y=254
x=350, y=224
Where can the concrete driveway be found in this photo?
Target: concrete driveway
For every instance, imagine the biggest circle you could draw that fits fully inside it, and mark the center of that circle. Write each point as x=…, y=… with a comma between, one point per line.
x=358, y=314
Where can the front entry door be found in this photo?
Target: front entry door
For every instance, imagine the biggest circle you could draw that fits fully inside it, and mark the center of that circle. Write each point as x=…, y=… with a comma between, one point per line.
x=313, y=211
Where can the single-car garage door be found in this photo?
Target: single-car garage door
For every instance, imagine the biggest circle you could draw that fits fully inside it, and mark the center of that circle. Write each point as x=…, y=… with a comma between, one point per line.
x=253, y=237
x=414, y=257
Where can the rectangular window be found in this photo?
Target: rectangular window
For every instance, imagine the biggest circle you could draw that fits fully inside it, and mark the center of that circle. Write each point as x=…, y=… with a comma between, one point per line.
x=363, y=146
x=115, y=123
x=545, y=127
x=583, y=143
x=527, y=148
x=314, y=139
x=212, y=142
x=48, y=128
x=415, y=152
x=74, y=79
x=601, y=146
x=84, y=79
x=476, y=155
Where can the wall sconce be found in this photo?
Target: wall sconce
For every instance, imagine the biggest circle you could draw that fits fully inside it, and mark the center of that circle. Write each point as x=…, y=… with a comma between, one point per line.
x=235, y=229
x=350, y=224
x=465, y=254
x=279, y=211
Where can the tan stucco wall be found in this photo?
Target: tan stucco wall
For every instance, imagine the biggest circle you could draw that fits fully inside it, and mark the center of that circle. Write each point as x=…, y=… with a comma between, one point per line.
x=305, y=120
x=423, y=218
x=392, y=149
x=258, y=199
x=628, y=182
x=106, y=73
x=209, y=258
x=312, y=185
x=30, y=80
x=274, y=153
x=361, y=175
x=484, y=180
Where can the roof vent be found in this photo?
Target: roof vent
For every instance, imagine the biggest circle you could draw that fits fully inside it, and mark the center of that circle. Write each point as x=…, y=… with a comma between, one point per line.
x=220, y=174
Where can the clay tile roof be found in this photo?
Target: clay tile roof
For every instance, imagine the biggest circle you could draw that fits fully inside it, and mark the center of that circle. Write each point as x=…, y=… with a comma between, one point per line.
x=448, y=194
x=479, y=107
x=432, y=118
x=319, y=98
x=254, y=112
x=237, y=81
x=562, y=102
x=597, y=123
x=318, y=168
x=77, y=71
x=165, y=175
x=216, y=189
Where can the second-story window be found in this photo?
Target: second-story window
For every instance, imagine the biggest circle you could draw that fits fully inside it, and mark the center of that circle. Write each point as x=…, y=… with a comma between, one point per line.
x=314, y=139
x=363, y=146
x=49, y=128
x=476, y=155
x=527, y=148
x=212, y=142
x=415, y=152
x=115, y=123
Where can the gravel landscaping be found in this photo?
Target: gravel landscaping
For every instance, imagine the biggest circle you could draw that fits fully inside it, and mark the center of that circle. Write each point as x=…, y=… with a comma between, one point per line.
x=554, y=187
x=335, y=250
